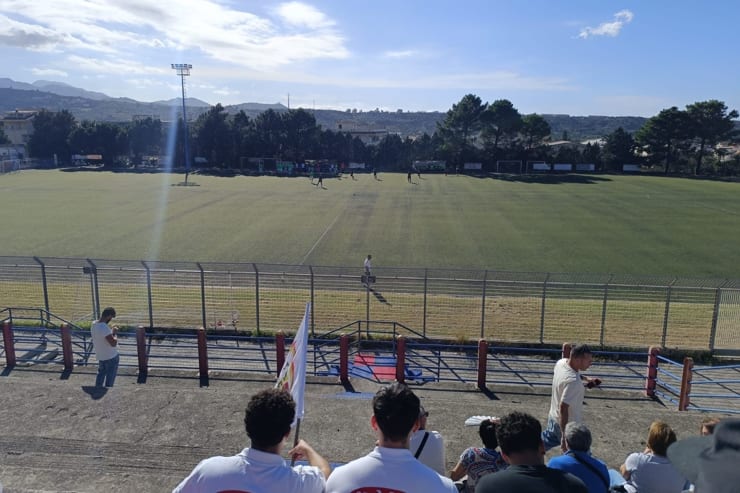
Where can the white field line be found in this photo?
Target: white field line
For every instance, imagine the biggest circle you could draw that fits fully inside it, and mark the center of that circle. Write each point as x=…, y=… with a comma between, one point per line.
x=328, y=228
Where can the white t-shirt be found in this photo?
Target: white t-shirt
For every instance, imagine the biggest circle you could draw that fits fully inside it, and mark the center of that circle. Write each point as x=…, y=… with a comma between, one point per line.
x=433, y=453
x=103, y=350
x=652, y=474
x=387, y=470
x=368, y=264
x=251, y=471
x=567, y=387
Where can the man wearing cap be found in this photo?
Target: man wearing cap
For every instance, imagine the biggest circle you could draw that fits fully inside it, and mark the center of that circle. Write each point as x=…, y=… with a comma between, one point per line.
x=712, y=462
x=428, y=446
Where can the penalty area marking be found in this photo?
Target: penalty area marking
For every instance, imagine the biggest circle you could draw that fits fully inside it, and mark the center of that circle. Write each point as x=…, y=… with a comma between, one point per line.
x=328, y=228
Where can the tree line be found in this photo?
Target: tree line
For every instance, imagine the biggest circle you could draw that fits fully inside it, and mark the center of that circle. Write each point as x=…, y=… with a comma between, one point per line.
x=673, y=141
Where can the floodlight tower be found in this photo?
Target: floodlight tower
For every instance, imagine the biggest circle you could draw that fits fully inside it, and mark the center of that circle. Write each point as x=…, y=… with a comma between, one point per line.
x=183, y=70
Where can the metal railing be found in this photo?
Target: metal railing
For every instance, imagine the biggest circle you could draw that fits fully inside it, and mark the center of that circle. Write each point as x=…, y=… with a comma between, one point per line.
x=607, y=311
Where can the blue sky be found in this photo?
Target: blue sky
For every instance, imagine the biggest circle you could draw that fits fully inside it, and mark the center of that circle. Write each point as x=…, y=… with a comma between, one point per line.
x=581, y=57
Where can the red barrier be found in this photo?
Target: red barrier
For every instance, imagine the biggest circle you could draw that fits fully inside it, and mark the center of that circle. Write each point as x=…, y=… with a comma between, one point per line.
x=566, y=350
x=344, y=359
x=67, y=354
x=9, y=344
x=279, y=351
x=141, y=350
x=202, y=353
x=482, y=363
x=652, y=371
x=401, y=359
x=684, y=398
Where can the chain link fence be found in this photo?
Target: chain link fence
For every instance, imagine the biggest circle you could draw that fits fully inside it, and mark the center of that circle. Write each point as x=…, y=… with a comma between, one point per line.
x=506, y=307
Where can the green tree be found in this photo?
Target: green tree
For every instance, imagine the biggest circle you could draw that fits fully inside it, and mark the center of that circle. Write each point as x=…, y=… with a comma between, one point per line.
x=501, y=122
x=619, y=149
x=212, y=137
x=301, y=136
x=461, y=126
x=665, y=136
x=710, y=123
x=534, y=130
x=107, y=139
x=50, y=136
x=592, y=154
x=4, y=140
x=144, y=138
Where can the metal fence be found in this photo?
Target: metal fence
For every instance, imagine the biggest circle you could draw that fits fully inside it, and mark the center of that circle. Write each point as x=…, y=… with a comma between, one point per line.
x=461, y=305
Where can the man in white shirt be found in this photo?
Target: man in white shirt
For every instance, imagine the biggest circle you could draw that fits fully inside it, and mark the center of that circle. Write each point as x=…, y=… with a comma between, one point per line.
x=105, y=343
x=390, y=467
x=428, y=446
x=260, y=468
x=568, y=392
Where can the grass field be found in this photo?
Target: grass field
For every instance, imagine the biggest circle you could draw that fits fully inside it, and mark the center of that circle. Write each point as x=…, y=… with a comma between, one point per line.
x=573, y=223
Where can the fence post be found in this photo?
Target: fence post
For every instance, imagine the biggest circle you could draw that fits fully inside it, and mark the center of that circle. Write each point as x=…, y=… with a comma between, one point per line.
x=204, y=320
x=401, y=359
x=482, y=363
x=67, y=354
x=149, y=293
x=344, y=358
x=542, y=310
x=424, y=309
x=483, y=306
x=651, y=377
x=257, y=297
x=92, y=272
x=202, y=354
x=313, y=324
x=9, y=344
x=565, y=353
x=141, y=350
x=44, y=285
x=279, y=350
x=603, y=310
x=715, y=317
x=667, y=311
x=685, y=399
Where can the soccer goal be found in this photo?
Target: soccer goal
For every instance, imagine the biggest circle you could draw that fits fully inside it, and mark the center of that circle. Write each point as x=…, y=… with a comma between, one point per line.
x=511, y=166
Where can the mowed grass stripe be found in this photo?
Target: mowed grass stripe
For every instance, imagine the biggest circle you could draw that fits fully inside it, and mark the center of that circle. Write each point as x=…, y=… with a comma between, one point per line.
x=621, y=224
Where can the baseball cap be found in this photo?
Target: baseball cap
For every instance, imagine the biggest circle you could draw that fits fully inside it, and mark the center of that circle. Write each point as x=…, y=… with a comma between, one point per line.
x=710, y=462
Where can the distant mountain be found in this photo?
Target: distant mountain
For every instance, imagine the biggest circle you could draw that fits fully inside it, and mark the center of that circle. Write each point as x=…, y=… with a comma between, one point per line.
x=89, y=105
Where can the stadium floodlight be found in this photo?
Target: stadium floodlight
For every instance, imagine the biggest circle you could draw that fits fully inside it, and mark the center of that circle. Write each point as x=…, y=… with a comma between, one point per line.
x=183, y=70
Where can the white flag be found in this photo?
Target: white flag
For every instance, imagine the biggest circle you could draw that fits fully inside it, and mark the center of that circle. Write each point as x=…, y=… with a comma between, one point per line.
x=293, y=374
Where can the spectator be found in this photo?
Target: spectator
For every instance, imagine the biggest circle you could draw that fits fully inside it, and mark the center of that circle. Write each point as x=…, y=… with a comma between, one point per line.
x=105, y=342
x=568, y=391
x=520, y=439
x=390, y=466
x=476, y=462
x=711, y=462
x=368, y=265
x=650, y=471
x=578, y=460
x=428, y=446
x=260, y=468
x=707, y=425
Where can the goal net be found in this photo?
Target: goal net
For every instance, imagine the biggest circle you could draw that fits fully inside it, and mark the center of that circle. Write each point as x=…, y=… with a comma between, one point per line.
x=511, y=166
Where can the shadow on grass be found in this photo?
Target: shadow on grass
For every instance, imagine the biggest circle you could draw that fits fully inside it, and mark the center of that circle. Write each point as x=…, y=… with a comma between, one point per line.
x=552, y=179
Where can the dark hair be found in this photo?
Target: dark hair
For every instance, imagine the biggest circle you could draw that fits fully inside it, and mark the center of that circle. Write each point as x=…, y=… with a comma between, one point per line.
x=487, y=432
x=108, y=312
x=268, y=417
x=519, y=432
x=396, y=409
x=578, y=350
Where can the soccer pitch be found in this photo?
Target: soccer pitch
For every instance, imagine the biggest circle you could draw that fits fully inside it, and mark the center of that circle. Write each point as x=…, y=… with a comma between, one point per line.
x=642, y=225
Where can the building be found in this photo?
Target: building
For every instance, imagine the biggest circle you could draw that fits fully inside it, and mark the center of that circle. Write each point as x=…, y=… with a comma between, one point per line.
x=18, y=126
x=368, y=134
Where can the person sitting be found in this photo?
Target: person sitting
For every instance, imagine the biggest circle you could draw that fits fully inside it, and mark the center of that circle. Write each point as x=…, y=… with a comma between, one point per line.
x=650, y=471
x=428, y=446
x=390, y=466
x=268, y=418
x=520, y=437
x=578, y=460
x=476, y=462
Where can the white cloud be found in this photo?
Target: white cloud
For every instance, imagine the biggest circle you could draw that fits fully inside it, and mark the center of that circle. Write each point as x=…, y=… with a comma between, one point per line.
x=217, y=29
x=225, y=91
x=49, y=72
x=611, y=29
x=115, y=67
x=400, y=54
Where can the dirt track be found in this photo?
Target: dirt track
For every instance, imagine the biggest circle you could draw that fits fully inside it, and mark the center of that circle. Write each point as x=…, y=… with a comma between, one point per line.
x=56, y=436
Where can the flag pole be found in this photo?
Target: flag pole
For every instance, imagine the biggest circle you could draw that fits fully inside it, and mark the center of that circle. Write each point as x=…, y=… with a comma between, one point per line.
x=295, y=439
